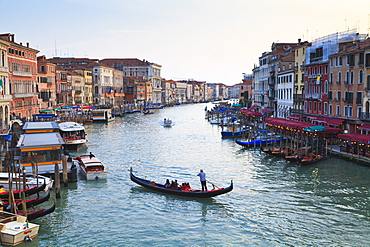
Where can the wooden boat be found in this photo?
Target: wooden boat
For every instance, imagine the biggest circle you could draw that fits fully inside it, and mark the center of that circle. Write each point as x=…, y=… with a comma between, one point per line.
x=292, y=158
x=73, y=135
x=31, y=215
x=189, y=193
x=91, y=168
x=309, y=160
x=14, y=229
x=257, y=143
x=29, y=202
x=31, y=191
x=31, y=181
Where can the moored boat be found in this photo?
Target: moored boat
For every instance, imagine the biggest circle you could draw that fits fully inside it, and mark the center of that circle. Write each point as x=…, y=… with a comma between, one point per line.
x=310, y=159
x=27, y=192
x=234, y=131
x=91, y=167
x=189, y=193
x=14, y=229
x=73, y=135
x=29, y=202
x=31, y=181
x=256, y=143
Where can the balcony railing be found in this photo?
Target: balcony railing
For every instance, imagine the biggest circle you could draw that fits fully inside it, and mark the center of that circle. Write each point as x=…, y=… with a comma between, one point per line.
x=23, y=95
x=20, y=73
x=313, y=96
x=5, y=98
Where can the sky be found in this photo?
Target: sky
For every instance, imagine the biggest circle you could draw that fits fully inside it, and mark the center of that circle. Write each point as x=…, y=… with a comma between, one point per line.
x=206, y=40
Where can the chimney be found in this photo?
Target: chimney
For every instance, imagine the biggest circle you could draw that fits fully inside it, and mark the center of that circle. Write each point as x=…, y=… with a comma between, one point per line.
x=299, y=41
x=20, y=43
x=28, y=45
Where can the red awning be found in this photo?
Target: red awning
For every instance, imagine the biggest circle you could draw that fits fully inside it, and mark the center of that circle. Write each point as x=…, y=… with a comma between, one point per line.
x=294, y=117
x=251, y=113
x=334, y=121
x=365, y=139
x=364, y=127
x=298, y=125
x=266, y=111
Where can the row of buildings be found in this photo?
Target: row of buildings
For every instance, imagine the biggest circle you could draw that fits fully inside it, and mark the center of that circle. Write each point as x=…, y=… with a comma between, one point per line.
x=30, y=84
x=326, y=81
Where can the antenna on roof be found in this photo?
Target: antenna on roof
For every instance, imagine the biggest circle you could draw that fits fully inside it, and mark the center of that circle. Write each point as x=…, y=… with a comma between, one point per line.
x=55, y=48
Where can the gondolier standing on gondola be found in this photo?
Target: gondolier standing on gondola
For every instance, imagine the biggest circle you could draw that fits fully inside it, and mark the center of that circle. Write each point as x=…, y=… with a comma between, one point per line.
x=203, y=180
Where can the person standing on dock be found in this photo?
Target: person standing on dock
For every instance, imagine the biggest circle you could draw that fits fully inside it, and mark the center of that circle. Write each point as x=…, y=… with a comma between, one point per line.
x=203, y=180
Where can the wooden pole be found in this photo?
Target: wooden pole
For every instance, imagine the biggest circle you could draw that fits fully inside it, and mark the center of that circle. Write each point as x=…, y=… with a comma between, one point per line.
x=57, y=181
x=65, y=172
x=24, y=207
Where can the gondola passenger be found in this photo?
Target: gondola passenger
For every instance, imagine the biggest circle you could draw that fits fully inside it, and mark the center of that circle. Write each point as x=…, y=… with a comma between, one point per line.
x=167, y=184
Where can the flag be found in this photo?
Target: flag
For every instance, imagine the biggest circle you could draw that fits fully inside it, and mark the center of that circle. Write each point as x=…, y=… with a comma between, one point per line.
x=1, y=86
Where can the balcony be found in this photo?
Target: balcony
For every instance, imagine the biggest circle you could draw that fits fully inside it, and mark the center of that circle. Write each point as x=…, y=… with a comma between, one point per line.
x=3, y=69
x=23, y=74
x=23, y=95
x=313, y=96
x=297, y=96
x=5, y=98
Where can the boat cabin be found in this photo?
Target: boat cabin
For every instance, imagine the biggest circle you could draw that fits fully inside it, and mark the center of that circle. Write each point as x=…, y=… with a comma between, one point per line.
x=102, y=115
x=43, y=150
x=40, y=127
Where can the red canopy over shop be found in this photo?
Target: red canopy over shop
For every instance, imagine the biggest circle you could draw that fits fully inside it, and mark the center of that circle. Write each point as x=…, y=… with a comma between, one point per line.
x=365, y=139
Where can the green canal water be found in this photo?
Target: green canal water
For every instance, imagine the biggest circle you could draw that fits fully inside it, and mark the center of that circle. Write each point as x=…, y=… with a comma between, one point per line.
x=273, y=203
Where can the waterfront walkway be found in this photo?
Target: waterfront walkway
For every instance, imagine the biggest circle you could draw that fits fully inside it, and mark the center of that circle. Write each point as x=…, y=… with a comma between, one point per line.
x=359, y=159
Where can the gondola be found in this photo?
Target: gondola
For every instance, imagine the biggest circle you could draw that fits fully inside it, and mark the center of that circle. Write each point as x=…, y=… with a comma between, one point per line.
x=192, y=193
x=309, y=160
x=30, y=202
x=39, y=213
x=257, y=143
x=27, y=192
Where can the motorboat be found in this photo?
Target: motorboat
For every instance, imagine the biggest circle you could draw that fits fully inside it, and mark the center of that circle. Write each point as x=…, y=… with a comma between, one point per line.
x=15, y=229
x=167, y=123
x=91, y=167
x=73, y=135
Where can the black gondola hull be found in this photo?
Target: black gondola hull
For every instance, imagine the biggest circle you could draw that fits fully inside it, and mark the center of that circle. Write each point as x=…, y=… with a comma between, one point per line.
x=196, y=193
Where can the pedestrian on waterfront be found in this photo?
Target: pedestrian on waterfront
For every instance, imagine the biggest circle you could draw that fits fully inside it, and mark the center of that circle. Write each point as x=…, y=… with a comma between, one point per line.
x=91, y=155
x=2, y=190
x=203, y=180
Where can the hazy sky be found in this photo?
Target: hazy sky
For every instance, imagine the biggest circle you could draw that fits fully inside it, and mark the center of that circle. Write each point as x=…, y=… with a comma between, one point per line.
x=206, y=40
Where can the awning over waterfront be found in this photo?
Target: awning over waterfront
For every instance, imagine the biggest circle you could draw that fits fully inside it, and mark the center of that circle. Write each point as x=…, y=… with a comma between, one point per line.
x=365, y=139
x=267, y=111
x=326, y=120
x=251, y=113
x=297, y=125
x=295, y=117
x=364, y=127
x=334, y=121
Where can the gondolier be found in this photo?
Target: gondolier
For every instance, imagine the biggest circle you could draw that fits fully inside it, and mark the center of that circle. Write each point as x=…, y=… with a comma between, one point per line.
x=203, y=180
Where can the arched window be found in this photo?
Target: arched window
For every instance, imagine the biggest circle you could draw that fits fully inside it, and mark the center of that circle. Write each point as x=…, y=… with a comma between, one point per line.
x=339, y=77
x=361, y=77
x=331, y=78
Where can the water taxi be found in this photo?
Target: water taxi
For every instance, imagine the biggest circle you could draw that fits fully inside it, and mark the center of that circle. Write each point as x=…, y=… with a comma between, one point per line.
x=73, y=135
x=91, y=167
x=15, y=229
x=102, y=115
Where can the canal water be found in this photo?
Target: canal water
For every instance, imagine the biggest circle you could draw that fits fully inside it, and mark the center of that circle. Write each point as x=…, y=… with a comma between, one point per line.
x=273, y=203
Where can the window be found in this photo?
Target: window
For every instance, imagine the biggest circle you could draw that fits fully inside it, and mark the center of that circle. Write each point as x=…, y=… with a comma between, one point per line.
x=359, y=111
x=361, y=77
x=340, y=61
x=338, y=111
x=339, y=78
x=331, y=78
x=330, y=110
x=352, y=77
